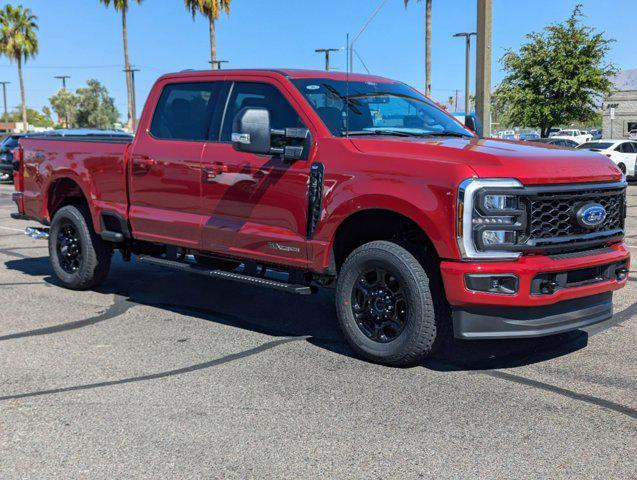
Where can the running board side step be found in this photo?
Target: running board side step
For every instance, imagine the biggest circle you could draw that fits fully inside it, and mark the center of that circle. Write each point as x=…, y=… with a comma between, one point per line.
x=223, y=274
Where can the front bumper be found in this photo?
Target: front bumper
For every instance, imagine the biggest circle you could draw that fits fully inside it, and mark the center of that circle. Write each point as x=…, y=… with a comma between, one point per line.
x=528, y=322
x=527, y=312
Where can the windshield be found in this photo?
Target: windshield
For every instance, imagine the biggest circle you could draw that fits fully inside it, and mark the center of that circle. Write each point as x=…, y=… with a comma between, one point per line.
x=376, y=109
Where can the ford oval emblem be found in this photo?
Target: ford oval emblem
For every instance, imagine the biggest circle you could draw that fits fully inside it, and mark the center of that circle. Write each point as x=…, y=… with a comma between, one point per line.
x=591, y=215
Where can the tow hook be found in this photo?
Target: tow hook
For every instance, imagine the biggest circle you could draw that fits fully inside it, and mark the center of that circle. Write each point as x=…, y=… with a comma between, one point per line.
x=621, y=273
x=37, y=233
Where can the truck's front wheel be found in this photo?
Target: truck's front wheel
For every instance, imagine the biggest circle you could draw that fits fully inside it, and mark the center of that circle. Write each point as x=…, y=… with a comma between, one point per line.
x=79, y=257
x=385, y=305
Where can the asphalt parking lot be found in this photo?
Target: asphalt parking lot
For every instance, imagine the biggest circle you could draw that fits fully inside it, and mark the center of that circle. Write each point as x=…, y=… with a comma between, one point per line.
x=163, y=374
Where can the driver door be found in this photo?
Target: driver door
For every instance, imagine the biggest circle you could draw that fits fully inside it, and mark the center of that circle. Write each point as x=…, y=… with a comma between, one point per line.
x=255, y=206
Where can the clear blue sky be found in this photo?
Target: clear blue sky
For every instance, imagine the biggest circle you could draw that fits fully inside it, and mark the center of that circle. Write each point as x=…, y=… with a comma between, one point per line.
x=82, y=38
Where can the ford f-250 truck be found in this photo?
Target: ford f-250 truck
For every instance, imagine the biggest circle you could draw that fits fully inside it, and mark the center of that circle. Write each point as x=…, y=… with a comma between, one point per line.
x=294, y=179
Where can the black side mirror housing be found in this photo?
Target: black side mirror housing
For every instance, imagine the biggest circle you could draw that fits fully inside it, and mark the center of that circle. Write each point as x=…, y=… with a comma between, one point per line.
x=251, y=131
x=473, y=124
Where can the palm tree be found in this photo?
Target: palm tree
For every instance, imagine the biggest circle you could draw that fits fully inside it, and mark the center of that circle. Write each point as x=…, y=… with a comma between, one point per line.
x=211, y=10
x=122, y=6
x=427, y=45
x=19, y=42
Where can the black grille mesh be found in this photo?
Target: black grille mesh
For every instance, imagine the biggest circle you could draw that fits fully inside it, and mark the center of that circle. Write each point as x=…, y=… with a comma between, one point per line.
x=552, y=213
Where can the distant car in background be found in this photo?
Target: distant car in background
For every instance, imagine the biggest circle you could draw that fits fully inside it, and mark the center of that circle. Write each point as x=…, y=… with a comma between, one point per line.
x=576, y=135
x=553, y=131
x=558, y=142
x=596, y=133
x=623, y=153
x=6, y=155
x=507, y=134
x=527, y=136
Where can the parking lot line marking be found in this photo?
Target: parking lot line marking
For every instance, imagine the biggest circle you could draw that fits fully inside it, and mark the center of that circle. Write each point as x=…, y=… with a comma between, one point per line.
x=12, y=229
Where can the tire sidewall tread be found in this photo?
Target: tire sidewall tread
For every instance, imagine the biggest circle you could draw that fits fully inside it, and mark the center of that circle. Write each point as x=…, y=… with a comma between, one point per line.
x=422, y=329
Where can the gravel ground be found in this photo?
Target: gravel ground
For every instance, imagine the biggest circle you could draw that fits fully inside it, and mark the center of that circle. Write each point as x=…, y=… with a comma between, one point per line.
x=164, y=374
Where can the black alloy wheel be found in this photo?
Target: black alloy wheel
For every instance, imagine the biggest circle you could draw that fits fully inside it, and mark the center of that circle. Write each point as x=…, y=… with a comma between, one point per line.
x=69, y=248
x=379, y=305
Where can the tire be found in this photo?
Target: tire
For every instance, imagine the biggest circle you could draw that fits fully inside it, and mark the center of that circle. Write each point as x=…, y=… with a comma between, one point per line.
x=79, y=257
x=421, y=312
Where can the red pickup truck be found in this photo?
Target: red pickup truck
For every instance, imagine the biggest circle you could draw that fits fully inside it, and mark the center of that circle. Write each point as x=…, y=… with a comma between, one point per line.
x=293, y=179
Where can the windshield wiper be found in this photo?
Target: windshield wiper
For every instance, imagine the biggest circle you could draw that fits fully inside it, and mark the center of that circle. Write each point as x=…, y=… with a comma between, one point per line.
x=448, y=134
x=397, y=133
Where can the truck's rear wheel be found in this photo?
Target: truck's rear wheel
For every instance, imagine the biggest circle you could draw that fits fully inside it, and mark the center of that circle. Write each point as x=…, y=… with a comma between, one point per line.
x=79, y=257
x=385, y=305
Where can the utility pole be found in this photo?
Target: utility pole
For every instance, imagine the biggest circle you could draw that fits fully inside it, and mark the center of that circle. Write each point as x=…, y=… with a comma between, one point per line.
x=360, y=32
x=131, y=71
x=456, y=104
x=483, y=67
x=4, y=95
x=63, y=78
x=327, y=52
x=216, y=64
x=467, y=36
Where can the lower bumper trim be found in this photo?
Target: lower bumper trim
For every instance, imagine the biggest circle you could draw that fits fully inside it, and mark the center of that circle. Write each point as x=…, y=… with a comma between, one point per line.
x=528, y=322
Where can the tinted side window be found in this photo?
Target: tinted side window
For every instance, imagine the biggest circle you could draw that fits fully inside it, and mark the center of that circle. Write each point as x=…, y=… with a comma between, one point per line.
x=629, y=147
x=184, y=111
x=259, y=95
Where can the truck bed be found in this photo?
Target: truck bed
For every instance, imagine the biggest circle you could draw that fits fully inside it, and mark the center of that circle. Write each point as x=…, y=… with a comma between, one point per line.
x=58, y=165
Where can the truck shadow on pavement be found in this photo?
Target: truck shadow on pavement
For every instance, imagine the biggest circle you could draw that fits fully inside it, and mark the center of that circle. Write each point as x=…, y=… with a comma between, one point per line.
x=277, y=314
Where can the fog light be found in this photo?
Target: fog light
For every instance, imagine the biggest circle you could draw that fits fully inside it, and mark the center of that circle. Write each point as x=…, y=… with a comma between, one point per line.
x=621, y=274
x=497, y=237
x=506, y=284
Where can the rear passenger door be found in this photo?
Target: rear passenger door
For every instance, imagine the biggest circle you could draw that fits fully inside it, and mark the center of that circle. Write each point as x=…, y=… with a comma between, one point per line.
x=165, y=165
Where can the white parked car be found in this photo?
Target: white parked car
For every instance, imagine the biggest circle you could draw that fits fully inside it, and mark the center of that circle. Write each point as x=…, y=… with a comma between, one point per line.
x=579, y=136
x=622, y=152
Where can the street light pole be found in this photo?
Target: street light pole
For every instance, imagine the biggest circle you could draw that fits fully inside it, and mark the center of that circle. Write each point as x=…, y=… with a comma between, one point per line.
x=483, y=67
x=4, y=95
x=467, y=36
x=360, y=32
x=216, y=64
x=327, y=52
x=63, y=78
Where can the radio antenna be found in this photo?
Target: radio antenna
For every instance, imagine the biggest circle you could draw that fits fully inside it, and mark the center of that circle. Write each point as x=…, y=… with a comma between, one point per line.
x=349, y=52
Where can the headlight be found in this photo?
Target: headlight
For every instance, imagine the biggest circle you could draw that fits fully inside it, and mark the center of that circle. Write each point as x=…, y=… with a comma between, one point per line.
x=490, y=218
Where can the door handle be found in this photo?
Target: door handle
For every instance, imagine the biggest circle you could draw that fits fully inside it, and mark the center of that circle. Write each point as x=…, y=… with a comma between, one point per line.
x=211, y=172
x=142, y=164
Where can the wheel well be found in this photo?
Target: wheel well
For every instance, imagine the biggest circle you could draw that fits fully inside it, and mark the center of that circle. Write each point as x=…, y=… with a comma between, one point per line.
x=369, y=225
x=64, y=192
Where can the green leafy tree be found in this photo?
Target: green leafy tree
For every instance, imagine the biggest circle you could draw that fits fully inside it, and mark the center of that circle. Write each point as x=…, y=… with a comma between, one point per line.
x=19, y=42
x=211, y=10
x=95, y=109
x=36, y=118
x=122, y=6
x=427, y=45
x=64, y=104
x=557, y=78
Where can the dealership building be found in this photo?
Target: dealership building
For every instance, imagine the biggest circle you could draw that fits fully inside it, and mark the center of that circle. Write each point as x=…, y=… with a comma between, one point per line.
x=619, y=114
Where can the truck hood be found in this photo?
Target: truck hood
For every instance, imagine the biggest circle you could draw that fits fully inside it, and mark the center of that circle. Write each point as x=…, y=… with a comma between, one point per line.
x=491, y=158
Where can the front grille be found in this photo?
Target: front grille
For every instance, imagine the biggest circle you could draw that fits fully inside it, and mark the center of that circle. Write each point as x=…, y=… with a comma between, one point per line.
x=551, y=214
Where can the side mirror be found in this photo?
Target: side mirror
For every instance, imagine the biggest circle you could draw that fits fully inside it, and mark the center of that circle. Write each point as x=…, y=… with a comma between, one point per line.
x=473, y=124
x=251, y=131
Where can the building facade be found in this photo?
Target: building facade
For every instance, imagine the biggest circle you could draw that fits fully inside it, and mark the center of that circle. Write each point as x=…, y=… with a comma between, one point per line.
x=624, y=105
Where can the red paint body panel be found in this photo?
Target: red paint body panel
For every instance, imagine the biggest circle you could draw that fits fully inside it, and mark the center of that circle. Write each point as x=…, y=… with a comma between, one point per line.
x=257, y=200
